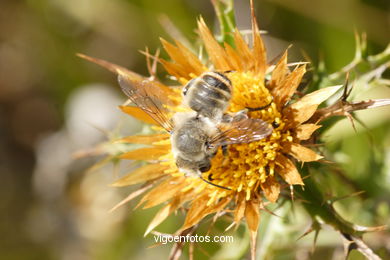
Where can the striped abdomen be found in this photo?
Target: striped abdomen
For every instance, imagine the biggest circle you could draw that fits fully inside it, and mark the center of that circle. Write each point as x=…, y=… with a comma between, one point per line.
x=209, y=94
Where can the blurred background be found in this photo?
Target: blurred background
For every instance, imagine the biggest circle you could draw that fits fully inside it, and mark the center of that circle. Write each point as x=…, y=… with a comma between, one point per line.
x=53, y=104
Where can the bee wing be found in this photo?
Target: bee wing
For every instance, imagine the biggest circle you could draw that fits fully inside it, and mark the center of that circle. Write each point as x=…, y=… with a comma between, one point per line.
x=246, y=130
x=147, y=94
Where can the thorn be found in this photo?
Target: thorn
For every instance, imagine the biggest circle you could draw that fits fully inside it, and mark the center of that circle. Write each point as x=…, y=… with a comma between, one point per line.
x=317, y=232
x=348, y=244
x=263, y=207
x=333, y=200
x=307, y=232
x=292, y=193
x=230, y=226
x=351, y=118
x=316, y=227
x=152, y=67
x=346, y=91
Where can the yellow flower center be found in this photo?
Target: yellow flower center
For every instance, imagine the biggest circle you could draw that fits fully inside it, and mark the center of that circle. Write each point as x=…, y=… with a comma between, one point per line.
x=246, y=166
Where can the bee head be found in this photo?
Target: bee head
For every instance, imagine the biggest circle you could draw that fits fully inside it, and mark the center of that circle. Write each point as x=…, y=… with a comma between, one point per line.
x=205, y=166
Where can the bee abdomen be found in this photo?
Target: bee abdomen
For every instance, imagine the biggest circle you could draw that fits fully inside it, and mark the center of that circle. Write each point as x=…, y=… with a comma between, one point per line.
x=208, y=94
x=218, y=80
x=207, y=99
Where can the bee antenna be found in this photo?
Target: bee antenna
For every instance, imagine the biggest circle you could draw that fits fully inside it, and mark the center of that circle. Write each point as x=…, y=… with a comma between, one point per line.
x=216, y=185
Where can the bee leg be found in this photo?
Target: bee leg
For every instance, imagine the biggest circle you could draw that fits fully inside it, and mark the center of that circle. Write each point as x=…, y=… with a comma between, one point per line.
x=225, y=151
x=210, y=177
x=259, y=108
x=240, y=115
x=229, y=71
x=227, y=118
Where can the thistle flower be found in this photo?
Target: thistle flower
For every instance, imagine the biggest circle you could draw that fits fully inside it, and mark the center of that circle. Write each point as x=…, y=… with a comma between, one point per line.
x=252, y=172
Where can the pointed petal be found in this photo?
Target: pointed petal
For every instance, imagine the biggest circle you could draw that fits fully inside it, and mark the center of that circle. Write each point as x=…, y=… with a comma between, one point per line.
x=271, y=189
x=240, y=209
x=163, y=192
x=302, y=153
x=141, y=174
x=287, y=88
x=197, y=66
x=305, y=107
x=235, y=59
x=287, y=170
x=139, y=114
x=199, y=210
x=304, y=132
x=174, y=69
x=252, y=216
x=166, y=92
x=143, y=139
x=132, y=195
x=147, y=153
x=215, y=51
x=184, y=59
x=280, y=72
x=162, y=214
x=243, y=51
x=108, y=65
x=259, y=54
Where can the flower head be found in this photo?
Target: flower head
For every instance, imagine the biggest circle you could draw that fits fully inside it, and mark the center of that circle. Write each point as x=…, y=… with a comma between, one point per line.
x=249, y=171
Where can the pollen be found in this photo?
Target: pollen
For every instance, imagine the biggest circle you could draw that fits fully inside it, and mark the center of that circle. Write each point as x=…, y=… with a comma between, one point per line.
x=246, y=166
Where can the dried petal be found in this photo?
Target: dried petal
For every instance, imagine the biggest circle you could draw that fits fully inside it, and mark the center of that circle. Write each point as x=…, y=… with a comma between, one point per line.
x=271, y=189
x=143, y=139
x=243, y=51
x=199, y=210
x=147, y=153
x=163, y=213
x=173, y=69
x=304, y=132
x=184, y=59
x=215, y=51
x=305, y=107
x=302, y=153
x=240, y=209
x=234, y=57
x=196, y=65
x=287, y=170
x=259, y=54
x=280, y=72
x=133, y=195
x=163, y=192
x=165, y=91
x=252, y=216
x=141, y=174
x=284, y=90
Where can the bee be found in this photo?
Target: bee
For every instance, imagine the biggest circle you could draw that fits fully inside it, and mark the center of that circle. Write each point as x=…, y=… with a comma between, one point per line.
x=195, y=135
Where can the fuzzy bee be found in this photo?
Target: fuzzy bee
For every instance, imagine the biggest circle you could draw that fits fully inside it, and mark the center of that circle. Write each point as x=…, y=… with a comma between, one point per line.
x=195, y=135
